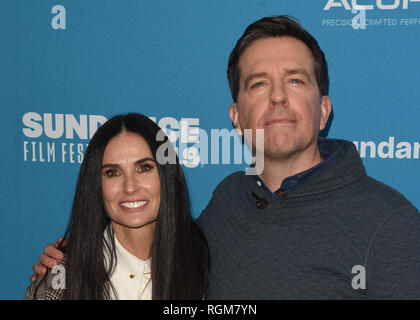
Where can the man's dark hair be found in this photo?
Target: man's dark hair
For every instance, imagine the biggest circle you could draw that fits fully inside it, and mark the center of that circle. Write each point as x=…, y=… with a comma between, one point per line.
x=272, y=27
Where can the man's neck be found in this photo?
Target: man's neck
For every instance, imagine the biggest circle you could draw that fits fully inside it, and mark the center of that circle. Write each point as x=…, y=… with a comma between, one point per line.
x=276, y=170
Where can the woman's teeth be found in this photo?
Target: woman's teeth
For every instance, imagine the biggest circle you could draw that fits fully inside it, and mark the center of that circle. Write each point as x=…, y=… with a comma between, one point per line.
x=133, y=204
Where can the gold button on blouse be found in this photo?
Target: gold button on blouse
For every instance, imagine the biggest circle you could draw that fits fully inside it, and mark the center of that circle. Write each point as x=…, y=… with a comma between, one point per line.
x=132, y=276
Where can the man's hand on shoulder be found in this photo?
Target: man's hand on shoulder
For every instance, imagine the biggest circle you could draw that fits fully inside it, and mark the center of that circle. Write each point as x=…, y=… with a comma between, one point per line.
x=48, y=259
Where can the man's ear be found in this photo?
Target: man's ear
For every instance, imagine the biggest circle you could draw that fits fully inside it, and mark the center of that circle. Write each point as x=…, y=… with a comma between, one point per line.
x=325, y=112
x=234, y=116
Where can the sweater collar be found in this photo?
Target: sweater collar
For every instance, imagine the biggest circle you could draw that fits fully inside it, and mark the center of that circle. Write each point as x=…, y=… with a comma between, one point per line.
x=341, y=164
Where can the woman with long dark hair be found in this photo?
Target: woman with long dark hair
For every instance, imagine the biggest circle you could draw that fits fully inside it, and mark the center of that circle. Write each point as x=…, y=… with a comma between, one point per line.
x=130, y=234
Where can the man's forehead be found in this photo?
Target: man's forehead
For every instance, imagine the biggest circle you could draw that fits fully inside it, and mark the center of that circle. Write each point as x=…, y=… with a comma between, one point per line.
x=286, y=53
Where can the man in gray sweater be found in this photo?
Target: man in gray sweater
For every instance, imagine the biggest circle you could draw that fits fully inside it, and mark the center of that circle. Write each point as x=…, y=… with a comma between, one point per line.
x=312, y=224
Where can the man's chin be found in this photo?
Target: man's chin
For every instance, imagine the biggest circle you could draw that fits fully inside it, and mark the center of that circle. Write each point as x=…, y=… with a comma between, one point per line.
x=279, y=149
x=284, y=150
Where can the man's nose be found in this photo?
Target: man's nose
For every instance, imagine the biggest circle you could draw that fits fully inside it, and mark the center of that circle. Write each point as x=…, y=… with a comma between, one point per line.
x=278, y=95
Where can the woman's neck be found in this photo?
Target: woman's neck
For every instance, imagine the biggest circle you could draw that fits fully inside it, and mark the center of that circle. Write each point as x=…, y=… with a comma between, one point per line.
x=137, y=241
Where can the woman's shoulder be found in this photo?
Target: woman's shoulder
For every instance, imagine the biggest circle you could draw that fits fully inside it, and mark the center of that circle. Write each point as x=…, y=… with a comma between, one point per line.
x=51, y=286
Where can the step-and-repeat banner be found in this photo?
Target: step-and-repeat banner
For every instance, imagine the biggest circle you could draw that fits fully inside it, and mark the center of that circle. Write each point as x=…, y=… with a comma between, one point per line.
x=68, y=65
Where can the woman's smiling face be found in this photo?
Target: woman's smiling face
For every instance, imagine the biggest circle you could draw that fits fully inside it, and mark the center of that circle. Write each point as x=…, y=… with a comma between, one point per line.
x=130, y=181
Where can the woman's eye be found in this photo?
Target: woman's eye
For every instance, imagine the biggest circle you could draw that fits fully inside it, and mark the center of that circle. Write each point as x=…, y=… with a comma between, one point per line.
x=145, y=167
x=111, y=173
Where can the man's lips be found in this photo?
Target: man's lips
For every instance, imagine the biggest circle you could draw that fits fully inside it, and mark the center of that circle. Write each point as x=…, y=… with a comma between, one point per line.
x=279, y=121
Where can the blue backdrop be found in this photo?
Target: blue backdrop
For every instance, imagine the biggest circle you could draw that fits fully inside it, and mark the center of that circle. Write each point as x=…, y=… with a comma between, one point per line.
x=66, y=66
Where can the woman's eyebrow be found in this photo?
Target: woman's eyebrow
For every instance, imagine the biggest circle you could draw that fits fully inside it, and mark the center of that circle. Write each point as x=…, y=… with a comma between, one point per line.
x=138, y=162
x=144, y=160
x=109, y=165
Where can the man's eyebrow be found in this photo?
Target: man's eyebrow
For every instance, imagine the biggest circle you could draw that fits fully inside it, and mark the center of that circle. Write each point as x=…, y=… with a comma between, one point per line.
x=138, y=162
x=297, y=71
x=286, y=71
x=253, y=76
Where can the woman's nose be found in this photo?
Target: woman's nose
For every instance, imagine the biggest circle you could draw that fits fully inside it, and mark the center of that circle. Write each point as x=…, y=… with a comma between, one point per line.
x=131, y=185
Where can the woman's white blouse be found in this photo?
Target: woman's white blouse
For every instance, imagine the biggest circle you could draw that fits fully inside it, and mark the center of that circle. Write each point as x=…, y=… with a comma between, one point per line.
x=131, y=278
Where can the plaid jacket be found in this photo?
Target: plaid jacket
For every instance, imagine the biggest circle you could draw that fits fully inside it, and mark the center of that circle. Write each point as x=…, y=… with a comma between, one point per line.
x=51, y=286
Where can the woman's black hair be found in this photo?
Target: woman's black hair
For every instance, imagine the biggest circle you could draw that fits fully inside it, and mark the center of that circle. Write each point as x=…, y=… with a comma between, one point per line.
x=179, y=261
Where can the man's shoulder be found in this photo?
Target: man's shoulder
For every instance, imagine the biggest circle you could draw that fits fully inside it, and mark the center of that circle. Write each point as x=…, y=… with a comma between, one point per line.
x=380, y=192
x=228, y=188
x=231, y=181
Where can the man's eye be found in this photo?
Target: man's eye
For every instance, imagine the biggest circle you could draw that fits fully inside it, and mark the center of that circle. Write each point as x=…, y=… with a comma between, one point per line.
x=296, y=81
x=258, y=84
